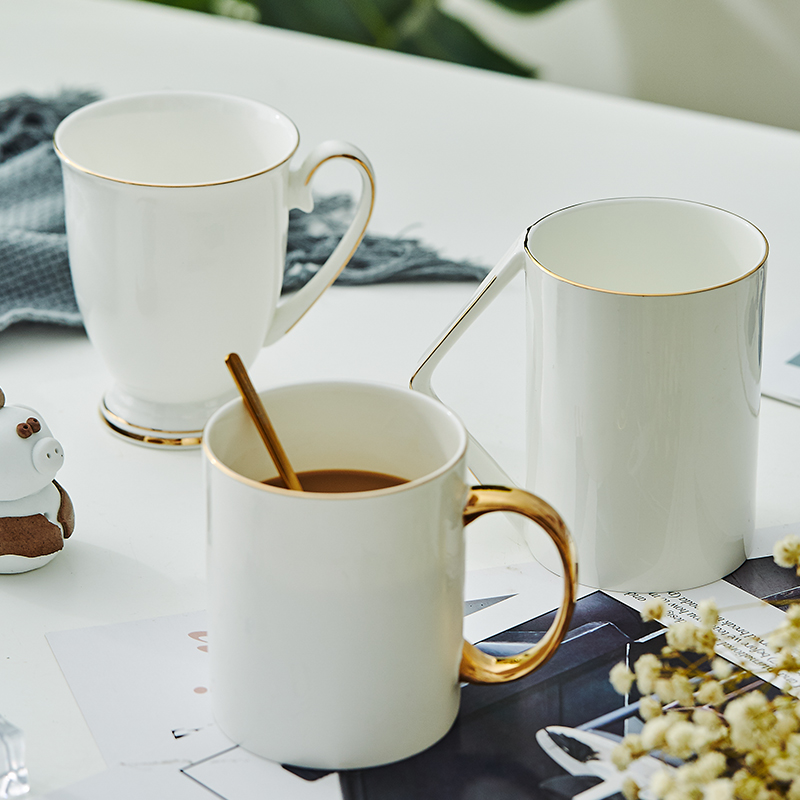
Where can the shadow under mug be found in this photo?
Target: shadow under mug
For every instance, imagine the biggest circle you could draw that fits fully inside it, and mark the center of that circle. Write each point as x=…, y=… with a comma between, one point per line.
x=177, y=207
x=335, y=620
x=645, y=320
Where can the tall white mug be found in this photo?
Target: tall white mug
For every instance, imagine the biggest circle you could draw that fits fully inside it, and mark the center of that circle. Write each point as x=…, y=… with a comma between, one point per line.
x=177, y=209
x=335, y=619
x=645, y=318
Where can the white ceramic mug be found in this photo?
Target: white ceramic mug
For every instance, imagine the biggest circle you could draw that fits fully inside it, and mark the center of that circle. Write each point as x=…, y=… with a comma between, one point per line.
x=645, y=318
x=335, y=619
x=177, y=209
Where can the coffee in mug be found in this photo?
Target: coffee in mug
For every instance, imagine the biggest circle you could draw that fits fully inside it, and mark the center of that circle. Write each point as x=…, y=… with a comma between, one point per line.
x=325, y=481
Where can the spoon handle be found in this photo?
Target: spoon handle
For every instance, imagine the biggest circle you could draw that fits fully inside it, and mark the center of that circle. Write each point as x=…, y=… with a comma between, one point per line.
x=254, y=406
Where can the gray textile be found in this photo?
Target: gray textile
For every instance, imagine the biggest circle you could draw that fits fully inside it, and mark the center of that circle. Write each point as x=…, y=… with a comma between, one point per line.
x=35, y=283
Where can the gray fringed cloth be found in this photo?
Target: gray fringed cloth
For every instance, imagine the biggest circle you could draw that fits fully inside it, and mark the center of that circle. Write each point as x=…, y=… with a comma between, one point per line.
x=35, y=282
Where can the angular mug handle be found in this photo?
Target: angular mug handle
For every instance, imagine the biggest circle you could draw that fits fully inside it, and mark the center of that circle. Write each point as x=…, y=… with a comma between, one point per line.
x=291, y=309
x=481, y=463
x=477, y=666
x=480, y=667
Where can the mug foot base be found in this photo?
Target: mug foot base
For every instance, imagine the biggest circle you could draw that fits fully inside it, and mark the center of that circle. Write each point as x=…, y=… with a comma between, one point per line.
x=156, y=425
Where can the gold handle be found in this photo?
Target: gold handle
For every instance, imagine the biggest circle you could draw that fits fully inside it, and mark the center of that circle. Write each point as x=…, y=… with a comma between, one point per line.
x=480, y=667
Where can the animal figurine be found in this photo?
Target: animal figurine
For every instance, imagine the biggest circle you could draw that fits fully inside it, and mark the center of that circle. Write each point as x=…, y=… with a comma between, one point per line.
x=36, y=514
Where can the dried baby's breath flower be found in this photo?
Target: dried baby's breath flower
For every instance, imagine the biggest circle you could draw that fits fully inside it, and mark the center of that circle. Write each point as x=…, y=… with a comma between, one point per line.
x=678, y=739
x=707, y=718
x=749, y=718
x=735, y=742
x=787, y=661
x=710, y=731
x=787, y=552
x=630, y=789
x=721, y=669
x=692, y=777
x=686, y=636
x=710, y=766
x=661, y=783
x=649, y=708
x=709, y=613
x=719, y=789
x=683, y=788
x=710, y=693
x=621, y=757
x=664, y=690
x=783, y=768
x=653, y=608
x=655, y=730
x=785, y=641
x=786, y=723
x=682, y=635
x=749, y=787
x=633, y=742
x=621, y=678
x=647, y=670
x=785, y=636
x=707, y=739
x=682, y=689
x=706, y=642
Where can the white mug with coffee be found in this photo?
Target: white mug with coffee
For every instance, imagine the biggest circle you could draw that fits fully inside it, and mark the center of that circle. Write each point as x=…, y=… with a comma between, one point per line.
x=645, y=318
x=335, y=615
x=177, y=209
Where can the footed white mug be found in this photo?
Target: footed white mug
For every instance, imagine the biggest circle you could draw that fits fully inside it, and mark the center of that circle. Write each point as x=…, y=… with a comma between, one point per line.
x=177, y=209
x=645, y=318
x=335, y=619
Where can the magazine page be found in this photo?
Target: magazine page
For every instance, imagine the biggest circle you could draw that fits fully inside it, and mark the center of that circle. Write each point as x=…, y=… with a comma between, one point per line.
x=548, y=735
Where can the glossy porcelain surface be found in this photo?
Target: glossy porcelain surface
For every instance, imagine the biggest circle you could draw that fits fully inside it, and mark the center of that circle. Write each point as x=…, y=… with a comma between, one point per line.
x=335, y=620
x=645, y=319
x=177, y=209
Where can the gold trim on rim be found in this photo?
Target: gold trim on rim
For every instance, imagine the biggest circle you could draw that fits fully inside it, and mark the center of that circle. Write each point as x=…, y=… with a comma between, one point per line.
x=86, y=171
x=217, y=462
x=645, y=294
x=111, y=100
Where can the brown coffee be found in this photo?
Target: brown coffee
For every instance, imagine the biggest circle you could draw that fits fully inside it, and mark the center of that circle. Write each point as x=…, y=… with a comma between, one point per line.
x=340, y=480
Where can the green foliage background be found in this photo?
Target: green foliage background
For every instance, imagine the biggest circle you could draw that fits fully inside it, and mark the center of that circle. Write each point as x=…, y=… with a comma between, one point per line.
x=419, y=27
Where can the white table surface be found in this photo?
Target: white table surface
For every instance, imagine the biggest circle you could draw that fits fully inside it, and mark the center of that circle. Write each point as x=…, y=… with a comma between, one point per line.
x=464, y=160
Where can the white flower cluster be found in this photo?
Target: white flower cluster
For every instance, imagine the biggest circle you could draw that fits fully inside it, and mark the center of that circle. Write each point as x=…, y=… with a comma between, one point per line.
x=735, y=742
x=787, y=552
x=785, y=641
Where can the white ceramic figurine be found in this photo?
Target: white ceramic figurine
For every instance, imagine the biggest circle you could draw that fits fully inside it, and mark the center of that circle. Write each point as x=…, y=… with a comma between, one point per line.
x=36, y=514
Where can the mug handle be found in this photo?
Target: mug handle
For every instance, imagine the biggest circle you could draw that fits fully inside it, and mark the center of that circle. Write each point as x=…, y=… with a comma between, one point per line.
x=290, y=310
x=481, y=463
x=479, y=667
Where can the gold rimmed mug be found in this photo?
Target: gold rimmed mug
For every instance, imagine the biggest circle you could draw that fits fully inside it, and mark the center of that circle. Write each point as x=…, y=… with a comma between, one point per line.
x=645, y=320
x=335, y=620
x=177, y=207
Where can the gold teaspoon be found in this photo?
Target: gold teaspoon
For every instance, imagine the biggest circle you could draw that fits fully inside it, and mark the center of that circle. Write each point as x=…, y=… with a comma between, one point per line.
x=254, y=406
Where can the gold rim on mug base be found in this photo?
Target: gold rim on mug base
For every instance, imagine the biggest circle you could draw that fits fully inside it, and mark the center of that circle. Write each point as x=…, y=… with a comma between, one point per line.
x=152, y=437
